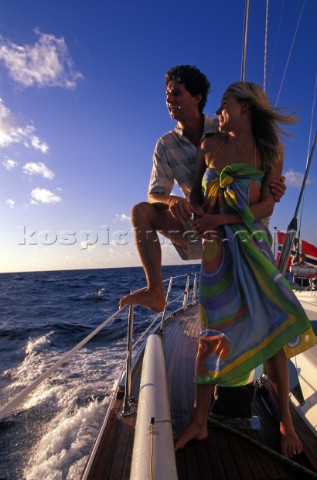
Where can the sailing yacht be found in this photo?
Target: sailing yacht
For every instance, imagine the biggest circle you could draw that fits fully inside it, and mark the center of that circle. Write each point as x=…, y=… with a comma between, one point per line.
x=154, y=397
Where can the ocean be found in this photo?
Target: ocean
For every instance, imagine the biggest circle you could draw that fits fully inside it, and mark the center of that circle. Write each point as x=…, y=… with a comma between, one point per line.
x=43, y=316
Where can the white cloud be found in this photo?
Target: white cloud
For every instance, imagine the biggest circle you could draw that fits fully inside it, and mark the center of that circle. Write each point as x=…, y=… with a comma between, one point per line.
x=9, y=164
x=46, y=63
x=123, y=217
x=11, y=132
x=37, y=144
x=41, y=195
x=84, y=245
x=10, y=202
x=294, y=179
x=39, y=168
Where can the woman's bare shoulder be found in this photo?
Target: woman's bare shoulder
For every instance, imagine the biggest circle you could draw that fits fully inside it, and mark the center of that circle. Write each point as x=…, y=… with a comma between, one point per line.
x=212, y=141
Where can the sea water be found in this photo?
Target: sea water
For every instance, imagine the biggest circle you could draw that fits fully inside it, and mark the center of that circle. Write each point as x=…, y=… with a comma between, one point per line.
x=43, y=316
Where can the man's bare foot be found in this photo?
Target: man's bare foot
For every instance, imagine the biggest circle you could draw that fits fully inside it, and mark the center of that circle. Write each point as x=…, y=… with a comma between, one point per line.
x=152, y=299
x=290, y=443
x=194, y=431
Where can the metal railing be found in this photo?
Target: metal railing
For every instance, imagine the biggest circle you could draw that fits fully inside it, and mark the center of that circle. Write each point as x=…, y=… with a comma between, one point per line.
x=128, y=402
x=11, y=406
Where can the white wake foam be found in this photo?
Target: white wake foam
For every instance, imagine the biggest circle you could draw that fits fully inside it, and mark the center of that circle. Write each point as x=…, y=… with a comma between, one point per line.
x=65, y=412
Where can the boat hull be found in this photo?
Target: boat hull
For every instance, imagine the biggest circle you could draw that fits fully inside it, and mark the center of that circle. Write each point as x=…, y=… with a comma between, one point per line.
x=306, y=367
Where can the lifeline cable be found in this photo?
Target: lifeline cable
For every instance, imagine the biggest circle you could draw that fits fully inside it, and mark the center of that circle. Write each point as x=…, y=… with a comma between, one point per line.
x=273, y=453
x=10, y=406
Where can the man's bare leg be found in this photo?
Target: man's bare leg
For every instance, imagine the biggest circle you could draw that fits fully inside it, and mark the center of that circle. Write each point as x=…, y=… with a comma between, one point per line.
x=198, y=427
x=147, y=220
x=277, y=370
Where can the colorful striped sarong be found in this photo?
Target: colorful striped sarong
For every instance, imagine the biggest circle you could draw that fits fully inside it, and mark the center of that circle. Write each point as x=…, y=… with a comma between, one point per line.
x=248, y=309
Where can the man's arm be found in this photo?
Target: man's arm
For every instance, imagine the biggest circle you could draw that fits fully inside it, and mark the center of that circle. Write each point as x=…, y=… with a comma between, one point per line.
x=162, y=178
x=178, y=206
x=161, y=185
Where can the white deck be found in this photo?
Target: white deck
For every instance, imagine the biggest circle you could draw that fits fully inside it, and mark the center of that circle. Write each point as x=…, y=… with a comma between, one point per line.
x=306, y=365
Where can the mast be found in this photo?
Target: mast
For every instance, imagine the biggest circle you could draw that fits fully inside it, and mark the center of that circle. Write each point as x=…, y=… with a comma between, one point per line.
x=292, y=227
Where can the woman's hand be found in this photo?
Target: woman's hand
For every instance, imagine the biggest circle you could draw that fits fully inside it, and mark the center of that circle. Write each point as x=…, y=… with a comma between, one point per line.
x=197, y=210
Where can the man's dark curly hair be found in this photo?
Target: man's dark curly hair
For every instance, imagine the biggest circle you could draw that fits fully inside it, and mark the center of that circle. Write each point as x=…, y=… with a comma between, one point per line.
x=193, y=79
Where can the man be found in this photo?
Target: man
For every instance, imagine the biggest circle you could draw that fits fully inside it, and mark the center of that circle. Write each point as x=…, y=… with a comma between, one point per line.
x=301, y=271
x=174, y=159
x=301, y=260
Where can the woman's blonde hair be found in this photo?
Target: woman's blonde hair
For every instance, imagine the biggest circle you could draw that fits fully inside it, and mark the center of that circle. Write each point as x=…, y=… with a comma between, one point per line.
x=265, y=121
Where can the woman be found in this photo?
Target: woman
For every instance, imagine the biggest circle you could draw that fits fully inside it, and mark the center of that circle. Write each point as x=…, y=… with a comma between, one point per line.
x=248, y=310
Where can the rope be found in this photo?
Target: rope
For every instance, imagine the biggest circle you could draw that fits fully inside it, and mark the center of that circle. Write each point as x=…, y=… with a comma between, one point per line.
x=151, y=432
x=26, y=391
x=287, y=461
x=152, y=447
x=290, y=52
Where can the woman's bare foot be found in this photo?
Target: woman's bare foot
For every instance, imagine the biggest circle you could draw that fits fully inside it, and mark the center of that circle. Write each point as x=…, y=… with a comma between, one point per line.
x=290, y=443
x=194, y=431
x=153, y=299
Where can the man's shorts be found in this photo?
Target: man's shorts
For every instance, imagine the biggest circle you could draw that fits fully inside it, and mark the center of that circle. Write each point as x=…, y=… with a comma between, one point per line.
x=195, y=249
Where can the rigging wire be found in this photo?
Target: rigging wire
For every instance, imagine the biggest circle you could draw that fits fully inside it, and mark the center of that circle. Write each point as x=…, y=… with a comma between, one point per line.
x=276, y=41
x=245, y=36
x=292, y=227
x=12, y=404
x=311, y=121
x=265, y=44
x=308, y=149
x=290, y=52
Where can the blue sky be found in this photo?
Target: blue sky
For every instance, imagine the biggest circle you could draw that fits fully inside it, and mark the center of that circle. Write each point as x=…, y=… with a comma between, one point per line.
x=83, y=104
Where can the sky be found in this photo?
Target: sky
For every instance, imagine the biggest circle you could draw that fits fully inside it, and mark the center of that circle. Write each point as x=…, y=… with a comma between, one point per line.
x=82, y=104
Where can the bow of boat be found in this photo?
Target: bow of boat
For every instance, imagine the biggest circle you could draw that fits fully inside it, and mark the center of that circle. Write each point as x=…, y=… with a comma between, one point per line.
x=228, y=452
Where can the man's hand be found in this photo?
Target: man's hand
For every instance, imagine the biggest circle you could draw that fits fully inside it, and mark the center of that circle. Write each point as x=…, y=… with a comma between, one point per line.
x=278, y=188
x=180, y=208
